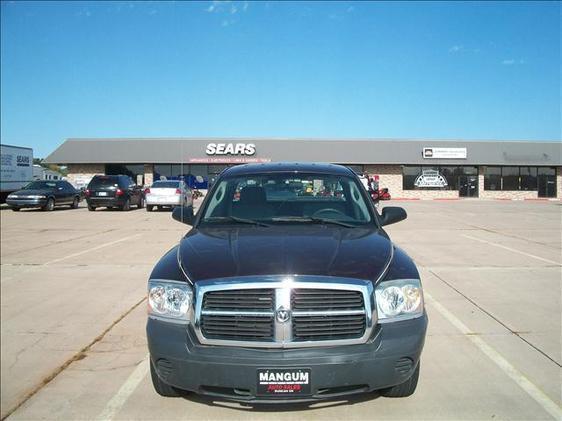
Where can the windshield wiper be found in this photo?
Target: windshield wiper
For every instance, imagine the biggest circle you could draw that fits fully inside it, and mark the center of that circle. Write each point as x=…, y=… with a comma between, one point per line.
x=314, y=220
x=237, y=220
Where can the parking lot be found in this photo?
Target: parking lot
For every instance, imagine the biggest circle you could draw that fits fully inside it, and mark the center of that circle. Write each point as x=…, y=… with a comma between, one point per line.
x=73, y=315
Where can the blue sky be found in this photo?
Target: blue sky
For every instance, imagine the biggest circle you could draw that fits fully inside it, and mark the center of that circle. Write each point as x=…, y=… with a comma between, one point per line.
x=335, y=69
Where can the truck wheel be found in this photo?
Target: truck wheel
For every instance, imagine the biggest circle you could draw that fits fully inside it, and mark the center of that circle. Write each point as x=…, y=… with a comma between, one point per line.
x=149, y=208
x=141, y=203
x=162, y=388
x=75, y=203
x=91, y=208
x=126, y=206
x=16, y=209
x=403, y=389
x=50, y=205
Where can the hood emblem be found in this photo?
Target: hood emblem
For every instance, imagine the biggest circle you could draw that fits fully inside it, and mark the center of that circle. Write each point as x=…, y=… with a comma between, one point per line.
x=283, y=315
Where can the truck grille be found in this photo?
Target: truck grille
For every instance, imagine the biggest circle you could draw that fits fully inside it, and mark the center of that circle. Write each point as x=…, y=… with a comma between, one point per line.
x=316, y=328
x=257, y=299
x=245, y=328
x=326, y=299
x=279, y=315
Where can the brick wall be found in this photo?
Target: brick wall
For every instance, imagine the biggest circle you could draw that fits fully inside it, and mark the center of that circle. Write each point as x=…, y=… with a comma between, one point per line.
x=148, y=174
x=80, y=174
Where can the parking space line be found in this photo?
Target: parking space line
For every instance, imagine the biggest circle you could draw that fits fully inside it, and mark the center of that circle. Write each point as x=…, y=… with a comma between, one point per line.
x=60, y=259
x=532, y=390
x=512, y=249
x=125, y=391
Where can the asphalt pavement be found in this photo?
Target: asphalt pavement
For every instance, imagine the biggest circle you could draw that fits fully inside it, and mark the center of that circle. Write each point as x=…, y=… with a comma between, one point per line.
x=73, y=314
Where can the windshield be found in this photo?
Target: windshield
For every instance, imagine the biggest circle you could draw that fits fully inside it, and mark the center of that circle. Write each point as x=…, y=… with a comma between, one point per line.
x=165, y=184
x=288, y=198
x=104, y=181
x=41, y=185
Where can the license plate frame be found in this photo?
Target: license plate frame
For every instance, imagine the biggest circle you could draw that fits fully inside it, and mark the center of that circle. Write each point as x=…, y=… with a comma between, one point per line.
x=102, y=193
x=283, y=382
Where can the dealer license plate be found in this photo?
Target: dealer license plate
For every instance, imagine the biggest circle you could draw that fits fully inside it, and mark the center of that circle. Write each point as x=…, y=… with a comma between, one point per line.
x=102, y=193
x=279, y=382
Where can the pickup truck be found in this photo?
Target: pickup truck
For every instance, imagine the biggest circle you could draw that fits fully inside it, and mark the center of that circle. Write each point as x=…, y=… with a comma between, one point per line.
x=286, y=298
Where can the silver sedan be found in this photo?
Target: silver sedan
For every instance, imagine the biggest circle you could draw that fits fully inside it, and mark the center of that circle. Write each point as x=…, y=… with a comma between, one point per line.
x=168, y=193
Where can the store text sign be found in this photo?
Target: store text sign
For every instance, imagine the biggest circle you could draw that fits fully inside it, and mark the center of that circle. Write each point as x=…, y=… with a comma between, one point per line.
x=444, y=153
x=247, y=149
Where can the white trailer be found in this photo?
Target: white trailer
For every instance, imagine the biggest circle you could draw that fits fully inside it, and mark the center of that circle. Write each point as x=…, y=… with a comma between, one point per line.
x=16, y=169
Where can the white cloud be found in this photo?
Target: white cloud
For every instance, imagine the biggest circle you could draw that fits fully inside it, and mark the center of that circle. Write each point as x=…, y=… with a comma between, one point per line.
x=508, y=62
x=245, y=6
x=456, y=48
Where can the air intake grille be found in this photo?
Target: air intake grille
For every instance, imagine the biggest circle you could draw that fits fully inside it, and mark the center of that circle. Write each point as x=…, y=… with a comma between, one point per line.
x=284, y=313
x=326, y=300
x=317, y=328
x=238, y=328
x=240, y=299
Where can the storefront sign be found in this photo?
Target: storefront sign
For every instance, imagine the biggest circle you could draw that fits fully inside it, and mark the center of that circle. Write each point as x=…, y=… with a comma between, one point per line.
x=229, y=160
x=430, y=178
x=444, y=153
x=230, y=149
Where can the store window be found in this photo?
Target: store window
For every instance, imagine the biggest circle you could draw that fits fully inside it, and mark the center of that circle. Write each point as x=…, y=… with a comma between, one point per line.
x=493, y=178
x=135, y=171
x=435, y=178
x=514, y=178
x=170, y=171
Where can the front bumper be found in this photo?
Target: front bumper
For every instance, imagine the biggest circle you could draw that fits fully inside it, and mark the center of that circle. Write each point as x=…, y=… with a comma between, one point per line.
x=389, y=358
x=26, y=203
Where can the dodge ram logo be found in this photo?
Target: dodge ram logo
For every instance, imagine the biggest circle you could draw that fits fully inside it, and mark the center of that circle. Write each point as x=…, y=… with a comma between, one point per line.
x=283, y=315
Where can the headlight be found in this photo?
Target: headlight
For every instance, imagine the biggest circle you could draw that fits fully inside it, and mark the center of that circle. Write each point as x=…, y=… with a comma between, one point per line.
x=170, y=299
x=399, y=299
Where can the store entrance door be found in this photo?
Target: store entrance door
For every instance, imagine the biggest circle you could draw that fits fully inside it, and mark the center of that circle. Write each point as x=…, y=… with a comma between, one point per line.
x=468, y=186
x=546, y=185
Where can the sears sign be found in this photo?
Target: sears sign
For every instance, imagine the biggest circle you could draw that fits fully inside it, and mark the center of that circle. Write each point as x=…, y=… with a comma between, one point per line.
x=247, y=149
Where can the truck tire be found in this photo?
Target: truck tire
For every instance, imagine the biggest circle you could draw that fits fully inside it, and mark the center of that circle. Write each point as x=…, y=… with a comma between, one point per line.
x=75, y=203
x=141, y=203
x=16, y=209
x=162, y=388
x=149, y=208
x=50, y=205
x=403, y=389
x=91, y=208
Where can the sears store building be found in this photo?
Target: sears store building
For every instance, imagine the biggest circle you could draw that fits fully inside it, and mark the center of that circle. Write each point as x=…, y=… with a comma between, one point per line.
x=408, y=168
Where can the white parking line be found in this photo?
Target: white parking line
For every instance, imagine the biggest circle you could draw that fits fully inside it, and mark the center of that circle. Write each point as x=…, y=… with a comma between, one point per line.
x=60, y=259
x=532, y=390
x=126, y=390
x=513, y=250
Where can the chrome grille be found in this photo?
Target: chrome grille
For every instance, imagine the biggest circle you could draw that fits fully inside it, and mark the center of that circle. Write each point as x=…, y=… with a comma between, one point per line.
x=245, y=328
x=315, y=328
x=326, y=299
x=281, y=312
x=258, y=299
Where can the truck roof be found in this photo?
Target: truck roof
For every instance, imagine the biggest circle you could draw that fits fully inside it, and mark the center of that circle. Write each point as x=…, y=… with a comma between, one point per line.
x=297, y=167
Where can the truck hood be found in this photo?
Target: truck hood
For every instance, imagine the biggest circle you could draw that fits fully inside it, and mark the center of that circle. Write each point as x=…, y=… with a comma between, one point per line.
x=209, y=253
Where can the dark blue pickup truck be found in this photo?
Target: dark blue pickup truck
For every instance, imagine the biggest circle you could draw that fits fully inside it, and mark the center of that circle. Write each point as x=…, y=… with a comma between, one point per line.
x=286, y=288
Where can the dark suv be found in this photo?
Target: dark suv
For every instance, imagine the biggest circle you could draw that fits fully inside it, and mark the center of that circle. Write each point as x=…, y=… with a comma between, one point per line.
x=298, y=296
x=113, y=191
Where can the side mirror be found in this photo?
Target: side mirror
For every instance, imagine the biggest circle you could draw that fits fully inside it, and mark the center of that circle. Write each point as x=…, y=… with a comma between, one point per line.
x=392, y=214
x=183, y=214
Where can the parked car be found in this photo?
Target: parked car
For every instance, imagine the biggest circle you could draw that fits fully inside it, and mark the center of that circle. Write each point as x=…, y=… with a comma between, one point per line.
x=300, y=298
x=45, y=195
x=113, y=191
x=168, y=194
